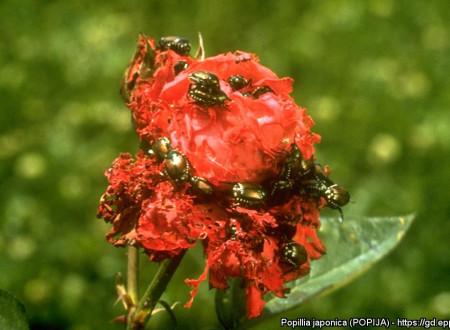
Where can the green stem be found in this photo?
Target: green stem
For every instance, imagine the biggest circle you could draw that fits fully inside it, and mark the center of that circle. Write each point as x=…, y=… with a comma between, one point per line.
x=132, y=281
x=132, y=273
x=154, y=291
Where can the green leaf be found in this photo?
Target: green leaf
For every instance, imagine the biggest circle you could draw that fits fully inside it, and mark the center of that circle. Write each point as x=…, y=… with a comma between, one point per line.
x=352, y=247
x=12, y=313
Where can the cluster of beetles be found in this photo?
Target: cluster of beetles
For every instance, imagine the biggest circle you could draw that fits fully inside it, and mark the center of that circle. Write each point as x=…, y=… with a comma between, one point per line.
x=298, y=176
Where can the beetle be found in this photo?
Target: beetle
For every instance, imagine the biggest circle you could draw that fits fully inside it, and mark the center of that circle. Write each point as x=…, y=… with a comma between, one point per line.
x=205, y=89
x=261, y=90
x=201, y=188
x=295, y=166
x=335, y=195
x=237, y=82
x=294, y=254
x=179, y=45
x=161, y=148
x=205, y=79
x=248, y=194
x=177, y=166
x=180, y=66
x=205, y=97
x=279, y=191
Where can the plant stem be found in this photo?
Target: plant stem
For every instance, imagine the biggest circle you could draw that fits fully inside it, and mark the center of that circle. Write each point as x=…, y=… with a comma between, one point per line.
x=154, y=291
x=132, y=273
x=132, y=280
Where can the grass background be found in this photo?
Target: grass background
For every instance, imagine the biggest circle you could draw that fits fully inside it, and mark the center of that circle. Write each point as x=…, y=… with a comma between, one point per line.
x=373, y=75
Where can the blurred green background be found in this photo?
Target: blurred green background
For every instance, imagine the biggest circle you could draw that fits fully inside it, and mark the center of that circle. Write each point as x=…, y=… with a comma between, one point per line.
x=373, y=75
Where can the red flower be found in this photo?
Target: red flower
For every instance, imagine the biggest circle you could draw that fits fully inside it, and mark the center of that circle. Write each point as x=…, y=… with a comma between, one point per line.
x=221, y=135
